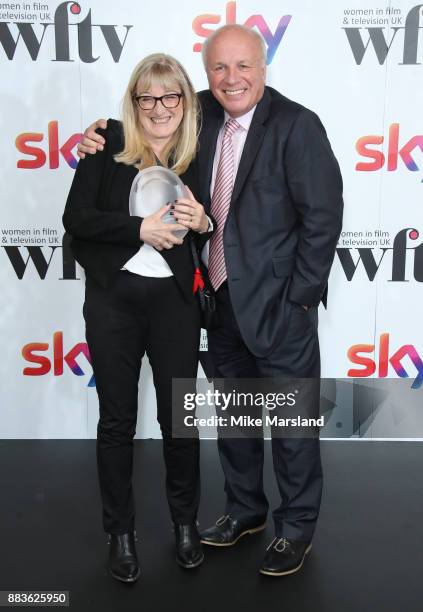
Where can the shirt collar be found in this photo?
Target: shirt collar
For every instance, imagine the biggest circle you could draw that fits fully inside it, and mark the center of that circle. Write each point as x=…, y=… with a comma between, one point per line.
x=245, y=120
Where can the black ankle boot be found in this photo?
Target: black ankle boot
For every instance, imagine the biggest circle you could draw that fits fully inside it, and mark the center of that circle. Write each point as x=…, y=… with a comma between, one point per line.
x=123, y=561
x=189, y=551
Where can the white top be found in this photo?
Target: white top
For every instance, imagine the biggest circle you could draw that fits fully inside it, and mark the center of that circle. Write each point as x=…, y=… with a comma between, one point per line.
x=148, y=262
x=238, y=142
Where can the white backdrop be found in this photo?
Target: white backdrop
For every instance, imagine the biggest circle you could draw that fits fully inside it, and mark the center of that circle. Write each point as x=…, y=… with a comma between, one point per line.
x=358, y=64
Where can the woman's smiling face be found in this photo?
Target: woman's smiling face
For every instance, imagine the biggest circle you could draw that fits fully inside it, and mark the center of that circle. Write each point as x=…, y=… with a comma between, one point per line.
x=160, y=123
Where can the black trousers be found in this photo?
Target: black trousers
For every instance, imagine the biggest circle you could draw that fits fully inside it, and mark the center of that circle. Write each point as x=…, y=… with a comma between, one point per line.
x=140, y=315
x=296, y=461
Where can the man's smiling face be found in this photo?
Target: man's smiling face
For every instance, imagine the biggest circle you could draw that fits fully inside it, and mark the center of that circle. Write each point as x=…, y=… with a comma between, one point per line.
x=236, y=71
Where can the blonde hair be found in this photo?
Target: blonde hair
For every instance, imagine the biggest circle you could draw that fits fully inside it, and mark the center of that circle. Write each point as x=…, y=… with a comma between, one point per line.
x=167, y=72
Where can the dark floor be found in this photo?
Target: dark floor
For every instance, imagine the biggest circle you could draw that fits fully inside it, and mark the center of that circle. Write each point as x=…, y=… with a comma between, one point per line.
x=367, y=554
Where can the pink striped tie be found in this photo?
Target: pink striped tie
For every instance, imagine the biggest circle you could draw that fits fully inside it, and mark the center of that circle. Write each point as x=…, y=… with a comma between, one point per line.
x=221, y=200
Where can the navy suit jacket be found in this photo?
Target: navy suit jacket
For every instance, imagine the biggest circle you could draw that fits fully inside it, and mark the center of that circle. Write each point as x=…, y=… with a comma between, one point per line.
x=285, y=215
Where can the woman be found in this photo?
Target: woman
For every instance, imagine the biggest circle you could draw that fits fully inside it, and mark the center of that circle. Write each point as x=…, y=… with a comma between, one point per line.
x=139, y=279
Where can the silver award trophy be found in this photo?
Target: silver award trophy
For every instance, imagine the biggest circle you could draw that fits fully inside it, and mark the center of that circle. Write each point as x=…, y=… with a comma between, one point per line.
x=153, y=188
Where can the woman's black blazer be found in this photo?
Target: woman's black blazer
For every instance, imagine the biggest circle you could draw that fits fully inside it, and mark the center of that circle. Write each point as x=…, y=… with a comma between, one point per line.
x=104, y=235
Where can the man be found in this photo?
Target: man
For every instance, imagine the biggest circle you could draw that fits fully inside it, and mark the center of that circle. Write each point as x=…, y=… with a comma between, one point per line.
x=266, y=172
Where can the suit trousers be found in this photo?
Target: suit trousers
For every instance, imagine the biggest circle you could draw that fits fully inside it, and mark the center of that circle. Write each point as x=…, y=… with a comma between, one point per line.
x=140, y=315
x=296, y=461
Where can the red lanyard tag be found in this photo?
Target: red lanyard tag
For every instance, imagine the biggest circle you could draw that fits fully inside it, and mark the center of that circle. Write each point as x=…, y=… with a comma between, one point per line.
x=198, y=281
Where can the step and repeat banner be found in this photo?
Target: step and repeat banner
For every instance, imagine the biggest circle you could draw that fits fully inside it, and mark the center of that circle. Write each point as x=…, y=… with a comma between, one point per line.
x=358, y=64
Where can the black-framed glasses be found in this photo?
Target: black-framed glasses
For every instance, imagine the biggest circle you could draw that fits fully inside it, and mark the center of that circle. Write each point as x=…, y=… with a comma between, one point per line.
x=168, y=100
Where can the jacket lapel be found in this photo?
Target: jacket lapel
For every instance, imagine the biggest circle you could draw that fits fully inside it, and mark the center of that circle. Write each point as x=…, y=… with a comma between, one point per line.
x=212, y=121
x=252, y=144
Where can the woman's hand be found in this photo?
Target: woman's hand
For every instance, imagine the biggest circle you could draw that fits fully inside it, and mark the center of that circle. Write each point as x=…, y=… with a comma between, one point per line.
x=158, y=234
x=190, y=213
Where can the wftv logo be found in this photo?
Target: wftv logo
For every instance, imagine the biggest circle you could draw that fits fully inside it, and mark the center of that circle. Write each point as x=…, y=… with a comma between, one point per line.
x=380, y=43
x=403, y=247
x=369, y=365
x=35, y=254
x=61, y=27
x=394, y=151
x=258, y=21
x=399, y=252
x=30, y=352
x=23, y=145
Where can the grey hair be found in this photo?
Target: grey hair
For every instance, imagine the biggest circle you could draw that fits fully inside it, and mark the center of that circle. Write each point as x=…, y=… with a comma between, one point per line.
x=237, y=27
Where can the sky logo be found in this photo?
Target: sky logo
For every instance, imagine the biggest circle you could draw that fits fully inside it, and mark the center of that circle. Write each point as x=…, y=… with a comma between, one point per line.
x=37, y=155
x=273, y=40
x=396, y=152
x=31, y=353
x=369, y=365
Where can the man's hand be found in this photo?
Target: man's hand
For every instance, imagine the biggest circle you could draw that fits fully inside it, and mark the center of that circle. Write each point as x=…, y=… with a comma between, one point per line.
x=158, y=234
x=190, y=213
x=91, y=141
